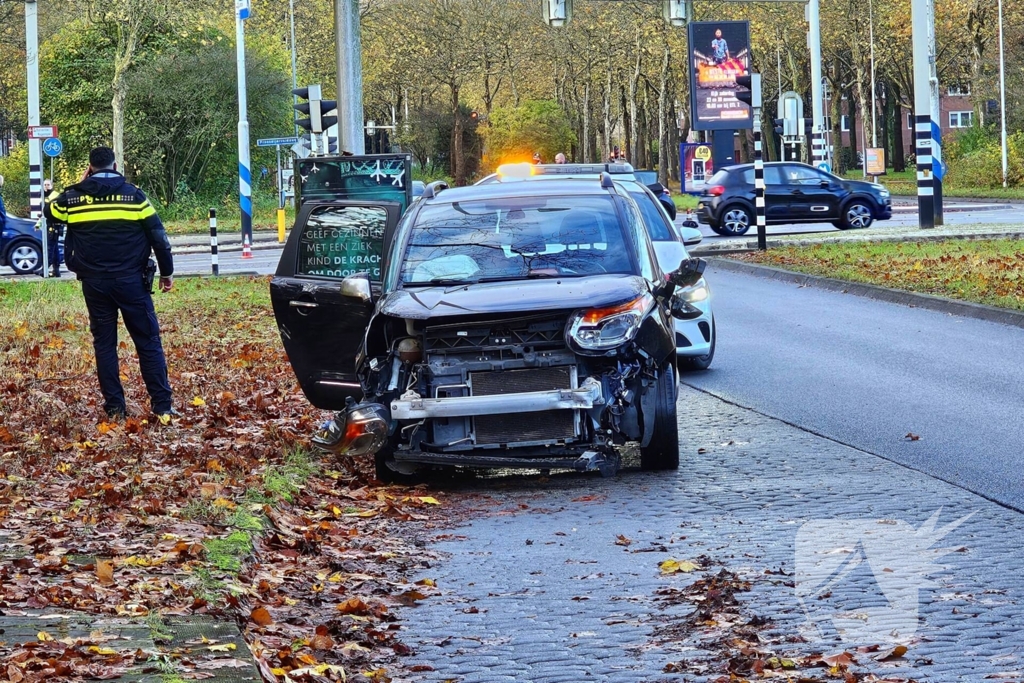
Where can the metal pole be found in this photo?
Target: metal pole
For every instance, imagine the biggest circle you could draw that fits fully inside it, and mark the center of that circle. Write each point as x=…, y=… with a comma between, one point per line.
x=35, y=154
x=755, y=87
x=817, y=115
x=1002, y=94
x=350, y=76
x=295, y=76
x=280, y=197
x=214, y=259
x=871, y=30
x=921, y=20
x=244, y=164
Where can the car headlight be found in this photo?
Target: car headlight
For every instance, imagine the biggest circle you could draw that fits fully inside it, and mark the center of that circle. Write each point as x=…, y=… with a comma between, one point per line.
x=699, y=292
x=881, y=189
x=601, y=329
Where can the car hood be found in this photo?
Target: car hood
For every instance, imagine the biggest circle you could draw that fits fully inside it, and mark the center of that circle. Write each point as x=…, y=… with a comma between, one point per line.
x=421, y=303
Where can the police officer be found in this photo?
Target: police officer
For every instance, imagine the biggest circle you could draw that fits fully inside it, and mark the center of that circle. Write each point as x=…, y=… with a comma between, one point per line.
x=111, y=231
x=53, y=229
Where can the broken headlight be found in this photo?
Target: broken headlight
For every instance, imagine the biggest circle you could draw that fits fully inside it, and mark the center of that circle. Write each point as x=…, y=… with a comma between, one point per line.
x=601, y=329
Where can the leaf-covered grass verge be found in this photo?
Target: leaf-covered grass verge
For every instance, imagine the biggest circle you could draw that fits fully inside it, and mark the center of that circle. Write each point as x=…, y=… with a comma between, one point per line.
x=223, y=512
x=982, y=271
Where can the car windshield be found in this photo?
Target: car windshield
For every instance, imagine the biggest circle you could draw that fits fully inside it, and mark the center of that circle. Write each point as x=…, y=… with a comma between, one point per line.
x=654, y=221
x=514, y=239
x=646, y=177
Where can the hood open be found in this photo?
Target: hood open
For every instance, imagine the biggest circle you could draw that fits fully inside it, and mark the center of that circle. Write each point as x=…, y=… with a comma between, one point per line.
x=521, y=296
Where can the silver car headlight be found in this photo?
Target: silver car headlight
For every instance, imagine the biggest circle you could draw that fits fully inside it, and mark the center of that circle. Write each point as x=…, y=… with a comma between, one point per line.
x=601, y=329
x=699, y=292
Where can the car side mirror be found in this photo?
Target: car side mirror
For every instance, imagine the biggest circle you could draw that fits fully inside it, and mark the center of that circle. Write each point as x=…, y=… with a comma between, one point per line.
x=691, y=236
x=689, y=272
x=356, y=287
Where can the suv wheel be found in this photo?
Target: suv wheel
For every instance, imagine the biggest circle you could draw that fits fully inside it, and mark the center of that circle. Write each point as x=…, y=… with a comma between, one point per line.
x=857, y=214
x=692, y=363
x=735, y=220
x=24, y=257
x=662, y=453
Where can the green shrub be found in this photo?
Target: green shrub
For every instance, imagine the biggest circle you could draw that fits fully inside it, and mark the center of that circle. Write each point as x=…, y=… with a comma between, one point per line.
x=14, y=169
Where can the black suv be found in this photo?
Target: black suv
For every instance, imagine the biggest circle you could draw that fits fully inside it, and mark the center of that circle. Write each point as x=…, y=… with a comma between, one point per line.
x=794, y=193
x=500, y=325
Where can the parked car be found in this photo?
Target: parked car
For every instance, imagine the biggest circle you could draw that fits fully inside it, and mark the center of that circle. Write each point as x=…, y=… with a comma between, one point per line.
x=650, y=179
x=696, y=337
x=502, y=325
x=21, y=245
x=794, y=193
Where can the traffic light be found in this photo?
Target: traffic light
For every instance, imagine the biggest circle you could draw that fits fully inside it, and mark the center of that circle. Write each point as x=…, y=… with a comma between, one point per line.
x=808, y=126
x=332, y=144
x=316, y=109
x=780, y=126
x=744, y=93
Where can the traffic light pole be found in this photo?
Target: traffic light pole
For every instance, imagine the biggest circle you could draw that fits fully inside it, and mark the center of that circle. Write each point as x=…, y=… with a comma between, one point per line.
x=244, y=163
x=35, y=155
x=818, y=152
x=928, y=146
x=350, y=77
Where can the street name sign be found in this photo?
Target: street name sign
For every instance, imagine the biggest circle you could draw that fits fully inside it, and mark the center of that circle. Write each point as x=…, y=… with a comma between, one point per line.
x=41, y=132
x=276, y=142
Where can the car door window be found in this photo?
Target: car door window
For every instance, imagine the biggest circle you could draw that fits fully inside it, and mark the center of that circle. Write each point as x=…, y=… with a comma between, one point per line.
x=657, y=223
x=801, y=175
x=773, y=176
x=339, y=241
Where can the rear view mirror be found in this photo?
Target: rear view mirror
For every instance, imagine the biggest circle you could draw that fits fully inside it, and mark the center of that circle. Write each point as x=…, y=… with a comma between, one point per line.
x=691, y=236
x=356, y=287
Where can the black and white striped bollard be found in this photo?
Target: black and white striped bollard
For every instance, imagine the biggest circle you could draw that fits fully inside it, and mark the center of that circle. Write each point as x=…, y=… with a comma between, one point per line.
x=214, y=265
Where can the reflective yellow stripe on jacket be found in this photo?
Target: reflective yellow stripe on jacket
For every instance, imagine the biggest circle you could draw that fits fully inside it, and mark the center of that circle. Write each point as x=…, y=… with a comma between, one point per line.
x=87, y=213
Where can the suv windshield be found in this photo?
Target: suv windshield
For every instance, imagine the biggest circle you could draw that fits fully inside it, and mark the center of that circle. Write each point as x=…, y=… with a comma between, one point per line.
x=515, y=238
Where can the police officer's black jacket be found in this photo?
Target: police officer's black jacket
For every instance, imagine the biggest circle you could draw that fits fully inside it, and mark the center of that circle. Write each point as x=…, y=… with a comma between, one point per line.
x=112, y=228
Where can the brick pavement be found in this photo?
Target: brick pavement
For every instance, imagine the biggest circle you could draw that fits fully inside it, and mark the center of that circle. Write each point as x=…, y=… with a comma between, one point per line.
x=535, y=588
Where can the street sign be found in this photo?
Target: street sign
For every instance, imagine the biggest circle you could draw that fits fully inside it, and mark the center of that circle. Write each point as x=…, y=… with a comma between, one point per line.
x=242, y=8
x=276, y=142
x=52, y=147
x=825, y=166
x=41, y=132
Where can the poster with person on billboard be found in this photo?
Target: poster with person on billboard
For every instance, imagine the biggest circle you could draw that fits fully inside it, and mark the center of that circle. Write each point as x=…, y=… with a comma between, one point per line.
x=719, y=52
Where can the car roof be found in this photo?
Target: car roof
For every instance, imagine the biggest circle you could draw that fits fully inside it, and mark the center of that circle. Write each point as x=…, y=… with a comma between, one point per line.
x=549, y=188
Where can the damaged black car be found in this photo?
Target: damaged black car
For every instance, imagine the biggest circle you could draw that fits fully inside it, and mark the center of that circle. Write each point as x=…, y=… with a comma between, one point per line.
x=505, y=325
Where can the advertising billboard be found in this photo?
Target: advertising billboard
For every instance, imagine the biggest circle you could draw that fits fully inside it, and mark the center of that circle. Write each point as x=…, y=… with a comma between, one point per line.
x=719, y=52
x=696, y=165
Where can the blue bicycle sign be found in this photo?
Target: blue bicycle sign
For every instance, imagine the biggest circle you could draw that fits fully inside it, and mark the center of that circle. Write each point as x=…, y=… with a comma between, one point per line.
x=52, y=147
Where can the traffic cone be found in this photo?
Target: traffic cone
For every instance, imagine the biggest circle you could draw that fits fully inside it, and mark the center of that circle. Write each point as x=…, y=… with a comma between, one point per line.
x=246, y=248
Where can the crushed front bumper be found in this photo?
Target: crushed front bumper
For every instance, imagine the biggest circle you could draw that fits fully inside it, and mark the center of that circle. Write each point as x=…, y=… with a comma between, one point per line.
x=417, y=408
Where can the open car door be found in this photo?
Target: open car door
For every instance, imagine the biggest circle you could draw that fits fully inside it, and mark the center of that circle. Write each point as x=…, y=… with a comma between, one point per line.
x=329, y=275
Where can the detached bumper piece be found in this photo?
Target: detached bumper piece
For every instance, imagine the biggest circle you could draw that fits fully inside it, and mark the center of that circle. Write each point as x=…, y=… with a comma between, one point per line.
x=362, y=429
x=417, y=408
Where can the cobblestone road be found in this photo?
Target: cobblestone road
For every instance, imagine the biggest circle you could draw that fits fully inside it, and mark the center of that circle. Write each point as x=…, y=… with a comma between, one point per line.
x=536, y=589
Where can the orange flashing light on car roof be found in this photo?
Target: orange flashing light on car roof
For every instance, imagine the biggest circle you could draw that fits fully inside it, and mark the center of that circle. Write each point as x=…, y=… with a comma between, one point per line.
x=515, y=171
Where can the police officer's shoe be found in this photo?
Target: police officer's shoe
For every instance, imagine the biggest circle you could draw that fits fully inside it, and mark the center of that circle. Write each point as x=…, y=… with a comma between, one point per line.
x=116, y=414
x=166, y=416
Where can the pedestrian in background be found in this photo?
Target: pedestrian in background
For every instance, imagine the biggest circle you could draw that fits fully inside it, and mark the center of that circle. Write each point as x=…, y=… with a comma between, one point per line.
x=111, y=231
x=54, y=228
x=560, y=158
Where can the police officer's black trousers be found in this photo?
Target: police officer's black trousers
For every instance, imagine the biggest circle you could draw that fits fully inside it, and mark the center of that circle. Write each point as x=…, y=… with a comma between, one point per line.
x=104, y=298
x=53, y=247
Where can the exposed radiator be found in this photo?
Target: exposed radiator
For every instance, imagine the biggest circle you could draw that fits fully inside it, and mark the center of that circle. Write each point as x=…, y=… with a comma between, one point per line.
x=551, y=425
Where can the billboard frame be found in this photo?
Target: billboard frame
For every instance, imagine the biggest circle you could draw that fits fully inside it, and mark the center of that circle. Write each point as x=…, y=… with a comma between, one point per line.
x=698, y=123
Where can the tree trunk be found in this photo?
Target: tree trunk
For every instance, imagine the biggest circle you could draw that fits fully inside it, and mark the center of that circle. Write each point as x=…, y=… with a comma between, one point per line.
x=851, y=112
x=899, y=158
x=626, y=122
x=457, y=162
x=663, y=128
x=886, y=119
x=120, y=89
x=977, y=18
x=632, y=142
x=865, y=97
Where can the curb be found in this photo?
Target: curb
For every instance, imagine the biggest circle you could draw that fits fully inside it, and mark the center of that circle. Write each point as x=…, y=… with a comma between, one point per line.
x=930, y=302
x=905, y=208
x=736, y=246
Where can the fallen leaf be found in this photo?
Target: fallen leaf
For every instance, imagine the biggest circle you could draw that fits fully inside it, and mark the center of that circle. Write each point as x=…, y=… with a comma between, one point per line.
x=892, y=654
x=429, y=500
x=198, y=402
x=105, y=572
x=226, y=647
x=44, y=637
x=912, y=437
x=353, y=606
x=623, y=541
x=671, y=566
x=261, y=616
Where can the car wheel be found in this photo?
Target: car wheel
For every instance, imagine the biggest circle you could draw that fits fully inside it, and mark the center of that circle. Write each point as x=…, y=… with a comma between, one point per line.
x=24, y=257
x=735, y=220
x=662, y=453
x=857, y=215
x=697, y=363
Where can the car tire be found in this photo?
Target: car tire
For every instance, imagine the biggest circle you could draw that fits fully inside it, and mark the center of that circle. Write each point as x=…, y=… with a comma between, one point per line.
x=699, y=363
x=717, y=228
x=856, y=214
x=662, y=453
x=735, y=220
x=24, y=257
